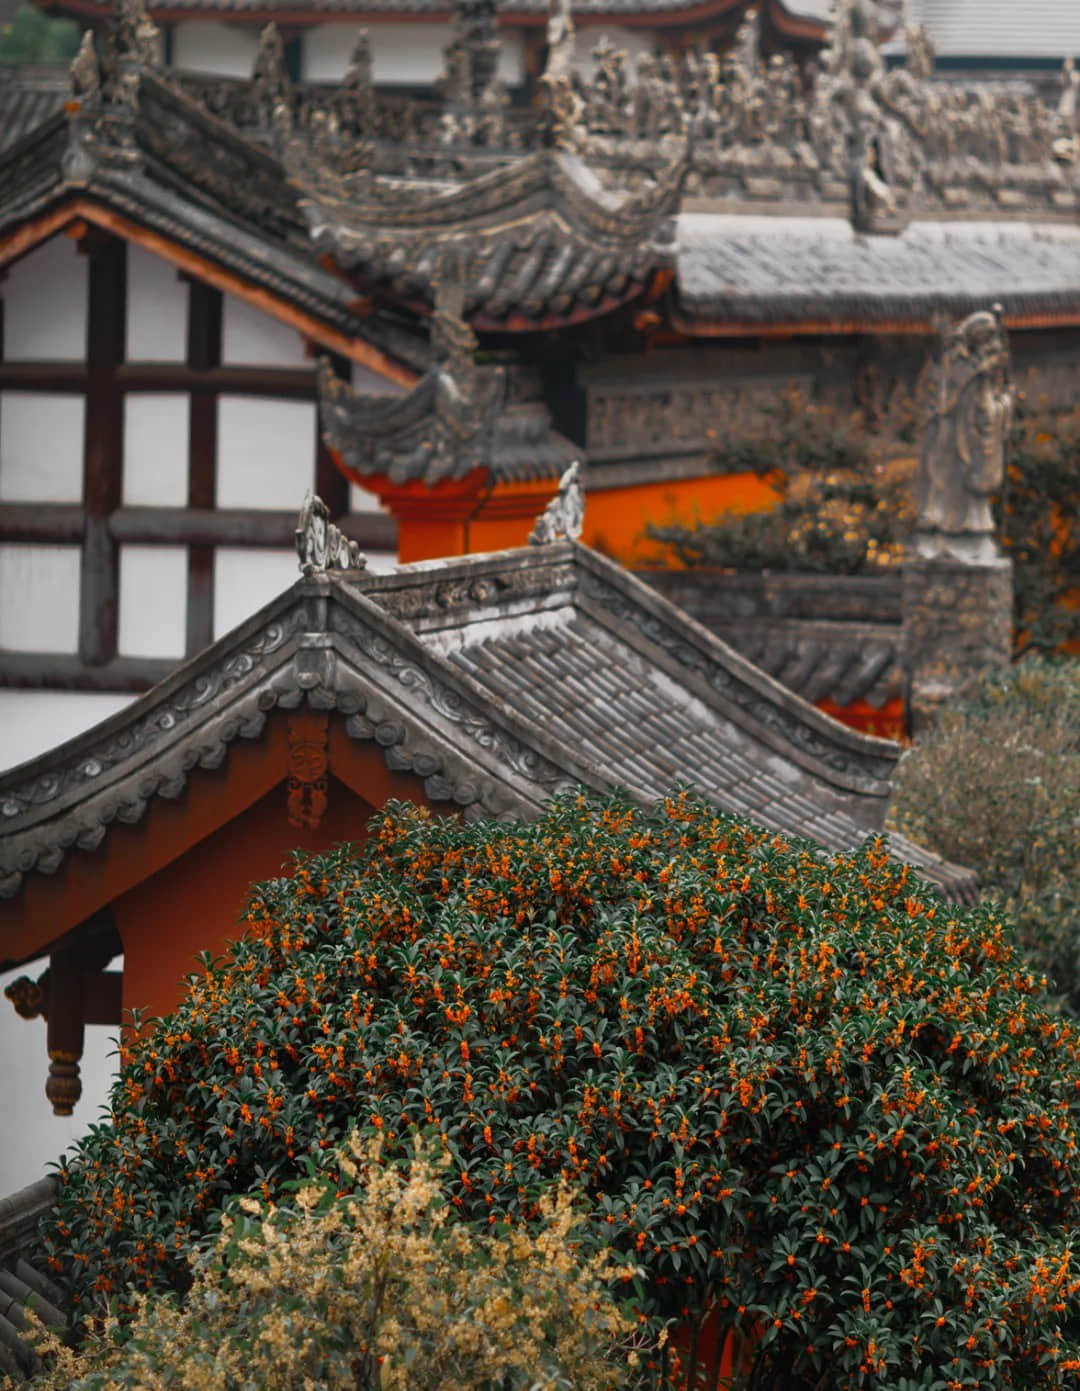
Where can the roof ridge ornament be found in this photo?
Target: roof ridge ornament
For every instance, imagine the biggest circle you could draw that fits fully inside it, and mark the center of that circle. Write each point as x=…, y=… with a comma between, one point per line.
x=563, y=108
x=322, y=546
x=564, y=516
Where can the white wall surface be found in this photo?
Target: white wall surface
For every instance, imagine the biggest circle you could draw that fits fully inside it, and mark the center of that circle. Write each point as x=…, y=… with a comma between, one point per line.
x=33, y=722
x=157, y=309
x=39, y=586
x=250, y=338
x=153, y=601
x=266, y=452
x=41, y=446
x=210, y=46
x=33, y=1136
x=45, y=304
x=155, y=449
x=245, y=579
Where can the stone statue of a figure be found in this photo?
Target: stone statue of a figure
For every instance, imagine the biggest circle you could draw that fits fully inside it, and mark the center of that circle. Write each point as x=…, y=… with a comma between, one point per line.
x=964, y=441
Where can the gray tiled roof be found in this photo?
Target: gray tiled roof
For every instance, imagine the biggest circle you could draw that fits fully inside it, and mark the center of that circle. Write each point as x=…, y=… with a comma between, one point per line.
x=22, y=1284
x=499, y=680
x=826, y=637
x=597, y=693
x=202, y=184
x=769, y=268
x=29, y=96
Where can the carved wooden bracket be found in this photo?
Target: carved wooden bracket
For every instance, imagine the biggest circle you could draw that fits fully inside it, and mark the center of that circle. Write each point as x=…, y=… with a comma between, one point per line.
x=29, y=996
x=309, y=763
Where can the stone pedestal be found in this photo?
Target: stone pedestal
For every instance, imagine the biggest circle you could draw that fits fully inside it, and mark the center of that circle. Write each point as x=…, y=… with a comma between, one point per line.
x=957, y=624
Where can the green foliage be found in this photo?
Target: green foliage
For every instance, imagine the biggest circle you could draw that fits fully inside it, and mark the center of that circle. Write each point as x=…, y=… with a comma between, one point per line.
x=370, y=1289
x=794, y=1088
x=32, y=37
x=835, y=523
x=840, y=514
x=996, y=785
x=1039, y=516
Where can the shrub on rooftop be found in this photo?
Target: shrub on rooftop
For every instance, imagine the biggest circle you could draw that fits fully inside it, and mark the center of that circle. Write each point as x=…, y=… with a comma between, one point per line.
x=796, y=1089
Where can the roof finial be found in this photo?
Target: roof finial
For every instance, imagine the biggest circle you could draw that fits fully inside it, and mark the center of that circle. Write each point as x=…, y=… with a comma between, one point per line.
x=563, y=107
x=322, y=546
x=564, y=516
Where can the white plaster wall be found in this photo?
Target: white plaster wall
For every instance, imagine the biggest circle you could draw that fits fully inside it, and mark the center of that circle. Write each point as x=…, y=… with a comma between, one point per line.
x=33, y=1136
x=266, y=452
x=41, y=446
x=45, y=304
x=632, y=42
x=39, y=586
x=155, y=449
x=153, y=601
x=362, y=500
x=250, y=338
x=401, y=54
x=381, y=562
x=211, y=46
x=33, y=722
x=157, y=309
x=246, y=579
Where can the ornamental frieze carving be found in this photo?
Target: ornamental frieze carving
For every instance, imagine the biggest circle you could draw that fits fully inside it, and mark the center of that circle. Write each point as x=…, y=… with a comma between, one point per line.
x=309, y=765
x=633, y=419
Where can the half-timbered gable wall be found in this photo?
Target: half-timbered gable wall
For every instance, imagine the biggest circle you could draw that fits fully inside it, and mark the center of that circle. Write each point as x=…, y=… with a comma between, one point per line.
x=155, y=435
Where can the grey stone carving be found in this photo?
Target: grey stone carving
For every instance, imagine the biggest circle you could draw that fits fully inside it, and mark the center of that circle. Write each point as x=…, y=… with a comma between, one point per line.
x=962, y=461
x=564, y=515
x=562, y=104
x=320, y=545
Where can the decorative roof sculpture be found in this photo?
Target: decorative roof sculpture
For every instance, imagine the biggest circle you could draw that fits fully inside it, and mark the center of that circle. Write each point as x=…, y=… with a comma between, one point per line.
x=564, y=515
x=322, y=546
x=962, y=462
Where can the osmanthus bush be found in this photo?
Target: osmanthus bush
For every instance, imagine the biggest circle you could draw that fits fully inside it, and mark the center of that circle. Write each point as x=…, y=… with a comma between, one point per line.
x=367, y=1288
x=799, y=1089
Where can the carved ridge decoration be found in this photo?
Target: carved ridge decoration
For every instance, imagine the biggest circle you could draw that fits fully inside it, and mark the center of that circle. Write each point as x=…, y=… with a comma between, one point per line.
x=469, y=591
x=165, y=721
x=867, y=773
x=452, y=705
x=312, y=676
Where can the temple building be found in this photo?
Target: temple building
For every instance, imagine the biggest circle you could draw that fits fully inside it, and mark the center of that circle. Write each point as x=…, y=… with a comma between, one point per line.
x=220, y=37
x=427, y=307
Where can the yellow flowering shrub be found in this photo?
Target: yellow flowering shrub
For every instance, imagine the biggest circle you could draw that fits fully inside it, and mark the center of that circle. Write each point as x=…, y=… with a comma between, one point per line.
x=369, y=1288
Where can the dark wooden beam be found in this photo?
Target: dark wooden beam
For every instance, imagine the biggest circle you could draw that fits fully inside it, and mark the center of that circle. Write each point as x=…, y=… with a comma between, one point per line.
x=41, y=521
x=279, y=382
x=330, y=483
x=103, y=450
x=186, y=526
x=65, y=672
x=203, y=362
x=43, y=376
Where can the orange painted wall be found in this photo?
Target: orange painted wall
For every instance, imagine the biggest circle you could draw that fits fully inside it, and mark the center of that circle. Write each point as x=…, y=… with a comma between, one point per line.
x=177, y=881
x=195, y=903
x=615, y=518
